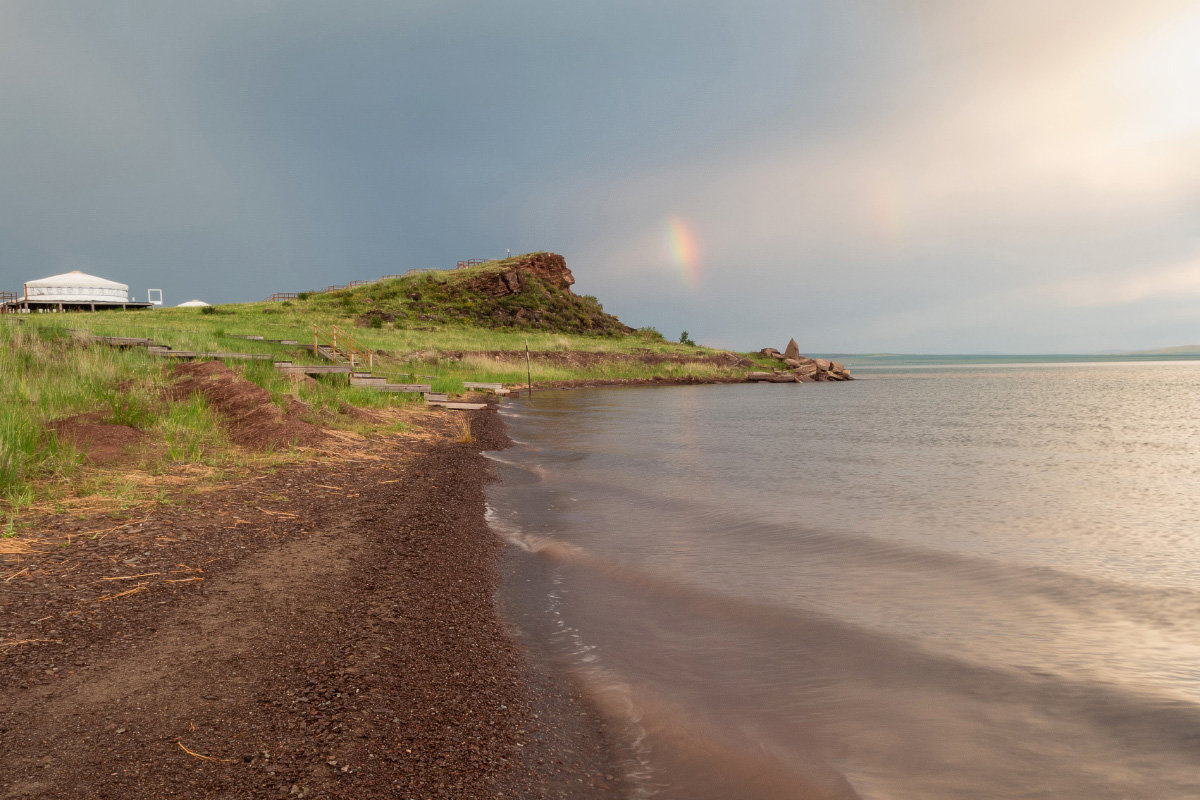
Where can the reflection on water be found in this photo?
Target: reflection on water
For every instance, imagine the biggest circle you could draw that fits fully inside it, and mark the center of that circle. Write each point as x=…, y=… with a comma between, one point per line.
x=974, y=583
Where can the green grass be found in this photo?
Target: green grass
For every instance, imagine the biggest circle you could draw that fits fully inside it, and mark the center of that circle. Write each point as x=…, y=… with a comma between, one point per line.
x=45, y=378
x=434, y=328
x=442, y=355
x=437, y=338
x=50, y=375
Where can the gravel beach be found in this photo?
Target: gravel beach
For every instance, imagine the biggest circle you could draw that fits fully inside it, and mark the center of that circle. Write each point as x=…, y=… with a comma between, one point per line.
x=328, y=630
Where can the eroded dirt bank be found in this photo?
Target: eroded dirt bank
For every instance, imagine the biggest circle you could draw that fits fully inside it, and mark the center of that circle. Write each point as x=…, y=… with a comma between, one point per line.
x=328, y=630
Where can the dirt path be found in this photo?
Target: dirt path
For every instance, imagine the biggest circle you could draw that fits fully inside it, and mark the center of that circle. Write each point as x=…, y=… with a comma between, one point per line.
x=325, y=631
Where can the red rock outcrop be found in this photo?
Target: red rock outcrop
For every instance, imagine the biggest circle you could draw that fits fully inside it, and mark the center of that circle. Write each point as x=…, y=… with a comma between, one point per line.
x=550, y=268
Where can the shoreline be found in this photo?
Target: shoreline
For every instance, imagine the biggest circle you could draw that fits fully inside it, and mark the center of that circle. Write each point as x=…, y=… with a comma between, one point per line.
x=330, y=629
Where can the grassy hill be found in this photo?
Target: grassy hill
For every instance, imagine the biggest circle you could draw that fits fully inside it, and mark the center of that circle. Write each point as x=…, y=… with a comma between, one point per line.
x=528, y=293
x=440, y=328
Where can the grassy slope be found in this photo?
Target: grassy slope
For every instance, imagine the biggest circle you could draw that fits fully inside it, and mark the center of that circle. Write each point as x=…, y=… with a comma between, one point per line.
x=427, y=328
x=430, y=327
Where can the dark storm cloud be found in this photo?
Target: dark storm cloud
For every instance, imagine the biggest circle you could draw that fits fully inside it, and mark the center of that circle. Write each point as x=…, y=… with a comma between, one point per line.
x=922, y=176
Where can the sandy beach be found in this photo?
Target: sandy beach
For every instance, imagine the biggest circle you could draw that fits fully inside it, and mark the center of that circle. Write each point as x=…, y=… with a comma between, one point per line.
x=328, y=630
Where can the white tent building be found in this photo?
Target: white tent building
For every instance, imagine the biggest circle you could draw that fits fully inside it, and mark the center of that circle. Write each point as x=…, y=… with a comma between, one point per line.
x=76, y=287
x=193, y=304
x=73, y=291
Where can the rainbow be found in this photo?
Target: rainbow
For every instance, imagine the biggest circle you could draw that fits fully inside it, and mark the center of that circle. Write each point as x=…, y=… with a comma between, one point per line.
x=681, y=242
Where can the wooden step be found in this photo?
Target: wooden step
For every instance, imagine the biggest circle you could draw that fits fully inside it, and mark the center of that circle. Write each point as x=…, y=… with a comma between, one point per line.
x=436, y=396
x=414, y=388
x=314, y=369
x=330, y=354
x=119, y=341
x=189, y=354
x=457, y=406
x=495, y=387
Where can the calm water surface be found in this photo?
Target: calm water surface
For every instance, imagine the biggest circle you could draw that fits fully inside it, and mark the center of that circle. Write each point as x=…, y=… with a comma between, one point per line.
x=959, y=582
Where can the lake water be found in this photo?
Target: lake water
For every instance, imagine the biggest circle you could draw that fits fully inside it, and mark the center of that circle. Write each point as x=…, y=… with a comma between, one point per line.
x=947, y=581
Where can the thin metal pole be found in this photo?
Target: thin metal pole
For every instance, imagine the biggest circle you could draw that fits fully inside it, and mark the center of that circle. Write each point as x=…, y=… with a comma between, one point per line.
x=528, y=370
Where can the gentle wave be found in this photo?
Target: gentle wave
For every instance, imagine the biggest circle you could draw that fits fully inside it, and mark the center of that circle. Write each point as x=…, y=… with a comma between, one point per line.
x=976, y=586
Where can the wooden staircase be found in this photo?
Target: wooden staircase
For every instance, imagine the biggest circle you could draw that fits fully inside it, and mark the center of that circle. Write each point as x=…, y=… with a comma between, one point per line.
x=342, y=354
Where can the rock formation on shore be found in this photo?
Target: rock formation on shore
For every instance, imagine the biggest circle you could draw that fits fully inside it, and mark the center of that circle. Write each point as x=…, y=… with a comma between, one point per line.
x=799, y=369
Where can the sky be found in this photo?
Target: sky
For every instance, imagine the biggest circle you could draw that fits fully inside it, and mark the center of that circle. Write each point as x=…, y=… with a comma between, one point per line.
x=931, y=176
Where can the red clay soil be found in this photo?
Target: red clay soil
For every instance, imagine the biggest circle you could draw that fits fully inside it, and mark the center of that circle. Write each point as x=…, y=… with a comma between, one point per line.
x=252, y=418
x=328, y=630
x=101, y=443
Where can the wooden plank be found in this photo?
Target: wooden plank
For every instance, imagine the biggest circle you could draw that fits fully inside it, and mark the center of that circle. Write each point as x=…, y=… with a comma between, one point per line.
x=436, y=396
x=414, y=388
x=457, y=406
x=122, y=341
x=316, y=369
x=221, y=356
x=474, y=385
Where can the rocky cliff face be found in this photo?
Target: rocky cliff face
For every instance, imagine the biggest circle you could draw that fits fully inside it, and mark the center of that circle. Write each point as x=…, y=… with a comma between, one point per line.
x=531, y=291
x=513, y=278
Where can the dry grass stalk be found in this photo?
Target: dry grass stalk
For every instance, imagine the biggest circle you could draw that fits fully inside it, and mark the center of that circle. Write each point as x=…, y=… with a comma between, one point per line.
x=15, y=642
x=201, y=756
x=462, y=427
x=183, y=580
x=132, y=577
x=110, y=530
x=277, y=513
x=141, y=587
x=12, y=547
x=17, y=573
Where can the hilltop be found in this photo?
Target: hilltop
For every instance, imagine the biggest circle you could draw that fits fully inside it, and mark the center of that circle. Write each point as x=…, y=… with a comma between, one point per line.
x=525, y=292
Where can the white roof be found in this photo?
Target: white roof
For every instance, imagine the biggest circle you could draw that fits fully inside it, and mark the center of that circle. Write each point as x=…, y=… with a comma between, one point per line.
x=78, y=279
x=192, y=304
